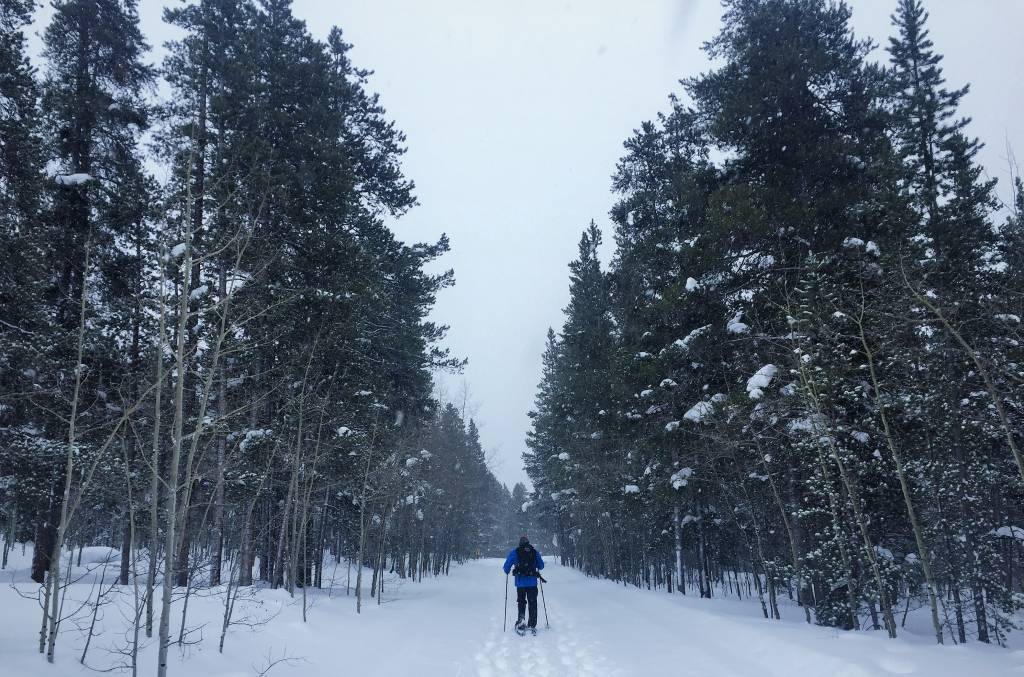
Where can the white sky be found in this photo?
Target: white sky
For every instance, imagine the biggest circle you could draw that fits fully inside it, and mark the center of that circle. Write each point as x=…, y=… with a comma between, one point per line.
x=515, y=114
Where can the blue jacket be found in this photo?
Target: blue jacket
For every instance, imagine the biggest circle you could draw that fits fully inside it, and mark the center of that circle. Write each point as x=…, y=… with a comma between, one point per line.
x=523, y=581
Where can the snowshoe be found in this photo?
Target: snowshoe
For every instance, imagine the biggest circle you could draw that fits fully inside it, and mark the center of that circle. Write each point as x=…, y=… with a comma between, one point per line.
x=533, y=631
x=520, y=628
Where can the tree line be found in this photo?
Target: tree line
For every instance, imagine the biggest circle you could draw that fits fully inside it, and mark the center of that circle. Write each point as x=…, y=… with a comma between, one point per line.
x=801, y=374
x=224, y=373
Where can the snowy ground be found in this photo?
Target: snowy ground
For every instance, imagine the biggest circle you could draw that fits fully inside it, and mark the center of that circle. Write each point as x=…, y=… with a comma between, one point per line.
x=453, y=626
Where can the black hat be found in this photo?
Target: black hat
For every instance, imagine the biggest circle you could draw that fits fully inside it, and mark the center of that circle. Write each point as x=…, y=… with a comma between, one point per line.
x=523, y=540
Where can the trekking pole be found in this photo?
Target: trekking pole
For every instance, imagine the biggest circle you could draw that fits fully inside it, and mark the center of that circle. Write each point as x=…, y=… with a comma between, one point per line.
x=543, y=601
x=504, y=622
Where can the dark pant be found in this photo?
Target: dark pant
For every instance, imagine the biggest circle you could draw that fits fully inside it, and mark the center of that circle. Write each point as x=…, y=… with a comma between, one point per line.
x=524, y=596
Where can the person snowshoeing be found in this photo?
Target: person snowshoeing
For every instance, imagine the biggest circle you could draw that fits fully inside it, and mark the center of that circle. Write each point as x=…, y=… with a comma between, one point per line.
x=525, y=563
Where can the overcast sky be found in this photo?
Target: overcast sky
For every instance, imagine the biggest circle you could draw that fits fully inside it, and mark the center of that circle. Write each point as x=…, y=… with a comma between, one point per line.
x=515, y=114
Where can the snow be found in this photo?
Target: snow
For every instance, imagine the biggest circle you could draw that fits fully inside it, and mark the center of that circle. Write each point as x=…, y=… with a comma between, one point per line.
x=177, y=250
x=99, y=555
x=861, y=437
x=801, y=425
x=760, y=380
x=1006, y=317
x=668, y=383
x=643, y=356
x=684, y=343
x=681, y=478
x=646, y=393
x=344, y=431
x=73, y=179
x=451, y=625
x=564, y=456
x=252, y=436
x=671, y=426
x=1009, y=532
x=691, y=284
x=699, y=412
x=735, y=326
x=198, y=292
x=631, y=489
x=853, y=243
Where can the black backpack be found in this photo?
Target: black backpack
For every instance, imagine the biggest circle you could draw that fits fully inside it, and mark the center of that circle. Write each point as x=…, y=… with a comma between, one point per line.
x=526, y=561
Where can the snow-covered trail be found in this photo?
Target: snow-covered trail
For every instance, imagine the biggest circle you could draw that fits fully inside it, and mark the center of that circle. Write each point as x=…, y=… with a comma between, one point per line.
x=452, y=626
x=599, y=628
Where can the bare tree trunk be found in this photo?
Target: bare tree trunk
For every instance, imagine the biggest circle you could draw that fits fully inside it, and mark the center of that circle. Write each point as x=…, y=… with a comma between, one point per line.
x=9, y=536
x=154, y=477
x=69, y=465
x=170, y=542
x=797, y=565
x=222, y=411
x=923, y=551
x=245, y=571
x=810, y=387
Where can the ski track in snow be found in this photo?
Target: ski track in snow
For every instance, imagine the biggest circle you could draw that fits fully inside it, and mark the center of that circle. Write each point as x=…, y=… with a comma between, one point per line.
x=552, y=653
x=453, y=626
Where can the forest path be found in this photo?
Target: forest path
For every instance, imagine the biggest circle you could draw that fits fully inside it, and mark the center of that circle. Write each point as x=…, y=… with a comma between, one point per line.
x=600, y=628
x=452, y=626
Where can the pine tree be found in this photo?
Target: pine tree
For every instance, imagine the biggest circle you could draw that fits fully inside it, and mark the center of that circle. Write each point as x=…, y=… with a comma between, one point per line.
x=924, y=110
x=23, y=279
